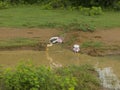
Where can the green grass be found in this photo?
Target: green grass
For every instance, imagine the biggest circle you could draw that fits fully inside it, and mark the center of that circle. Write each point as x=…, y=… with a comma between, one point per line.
x=33, y=16
x=92, y=44
x=17, y=42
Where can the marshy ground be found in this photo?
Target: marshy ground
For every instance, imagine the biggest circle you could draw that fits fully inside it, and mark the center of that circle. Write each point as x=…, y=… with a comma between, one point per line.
x=97, y=43
x=62, y=55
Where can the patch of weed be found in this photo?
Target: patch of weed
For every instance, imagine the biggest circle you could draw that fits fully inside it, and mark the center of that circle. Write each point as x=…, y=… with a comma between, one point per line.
x=80, y=27
x=92, y=44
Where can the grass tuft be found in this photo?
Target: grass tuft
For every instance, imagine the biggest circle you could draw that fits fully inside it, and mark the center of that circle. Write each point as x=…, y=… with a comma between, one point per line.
x=92, y=44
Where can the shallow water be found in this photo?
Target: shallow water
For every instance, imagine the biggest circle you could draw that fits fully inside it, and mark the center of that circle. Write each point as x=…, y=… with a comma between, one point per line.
x=108, y=79
x=56, y=55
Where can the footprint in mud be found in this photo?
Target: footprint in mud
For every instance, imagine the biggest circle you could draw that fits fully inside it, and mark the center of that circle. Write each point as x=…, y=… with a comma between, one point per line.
x=30, y=32
x=97, y=37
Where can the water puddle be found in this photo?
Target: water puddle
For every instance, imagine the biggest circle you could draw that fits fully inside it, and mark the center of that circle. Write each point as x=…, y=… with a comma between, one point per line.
x=108, y=79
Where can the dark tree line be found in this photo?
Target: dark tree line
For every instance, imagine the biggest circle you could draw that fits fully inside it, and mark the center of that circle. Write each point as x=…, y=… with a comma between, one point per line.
x=66, y=3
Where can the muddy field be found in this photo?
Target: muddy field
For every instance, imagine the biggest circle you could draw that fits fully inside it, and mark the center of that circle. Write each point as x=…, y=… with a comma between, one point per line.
x=110, y=38
x=57, y=55
x=42, y=34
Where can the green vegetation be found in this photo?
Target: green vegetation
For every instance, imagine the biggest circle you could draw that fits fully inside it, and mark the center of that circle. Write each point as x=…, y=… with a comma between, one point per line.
x=18, y=42
x=92, y=44
x=79, y=27
x=65, y=3
x=117, y=6
x=91, y=11
x=23, y=17
x=3, y=5
x=28, y=77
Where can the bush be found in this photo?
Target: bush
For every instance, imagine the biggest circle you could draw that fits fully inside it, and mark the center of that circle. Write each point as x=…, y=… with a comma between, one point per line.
x=1, y=76
x=56, y=4
x=23, y=78
x=80, y=27
x=4, y=5
x=85, y=80
x=91, y=11
x=28, y=77
x=47, y=7
x=67, y=3
x=96, y=11
x=117, y=6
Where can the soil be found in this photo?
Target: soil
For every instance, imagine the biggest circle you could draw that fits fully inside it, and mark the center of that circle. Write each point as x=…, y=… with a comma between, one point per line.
x=110, y=38
x=42, y=34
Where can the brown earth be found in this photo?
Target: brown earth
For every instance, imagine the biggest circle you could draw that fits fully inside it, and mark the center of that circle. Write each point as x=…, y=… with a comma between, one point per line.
x=42, y=34
x=110, y=38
